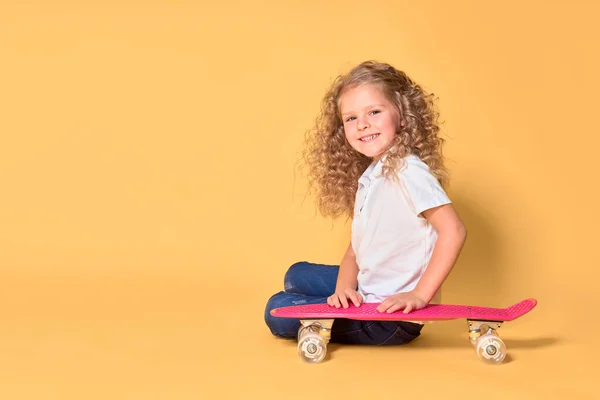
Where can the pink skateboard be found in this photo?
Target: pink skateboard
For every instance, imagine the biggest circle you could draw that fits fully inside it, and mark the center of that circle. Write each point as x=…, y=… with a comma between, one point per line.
x=317, y=319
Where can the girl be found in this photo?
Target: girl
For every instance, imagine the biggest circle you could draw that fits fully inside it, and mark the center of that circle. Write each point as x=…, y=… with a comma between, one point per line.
x=375, y=156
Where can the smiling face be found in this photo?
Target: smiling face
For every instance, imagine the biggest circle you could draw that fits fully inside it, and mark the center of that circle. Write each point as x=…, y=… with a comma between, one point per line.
x=370, y=120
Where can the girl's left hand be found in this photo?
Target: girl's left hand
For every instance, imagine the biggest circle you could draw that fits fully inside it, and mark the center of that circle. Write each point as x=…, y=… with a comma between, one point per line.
x=408, y=301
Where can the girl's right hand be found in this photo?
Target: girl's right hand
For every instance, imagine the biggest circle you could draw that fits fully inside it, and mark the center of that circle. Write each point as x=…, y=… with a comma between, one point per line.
x=340, y=298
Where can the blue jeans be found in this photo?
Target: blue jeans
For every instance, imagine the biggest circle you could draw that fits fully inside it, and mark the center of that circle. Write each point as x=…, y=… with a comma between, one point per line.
x=307, y=283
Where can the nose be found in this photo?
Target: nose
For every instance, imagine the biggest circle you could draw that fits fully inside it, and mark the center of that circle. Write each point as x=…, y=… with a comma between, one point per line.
x=363, y=124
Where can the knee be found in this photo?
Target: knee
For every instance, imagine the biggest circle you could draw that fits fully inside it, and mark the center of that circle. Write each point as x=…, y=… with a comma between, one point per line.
x=294, y=275
x=281, y=327
x=272, y=304
x=273, y=322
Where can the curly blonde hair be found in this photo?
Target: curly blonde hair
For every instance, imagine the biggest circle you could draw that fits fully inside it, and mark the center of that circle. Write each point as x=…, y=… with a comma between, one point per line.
x=334, y=166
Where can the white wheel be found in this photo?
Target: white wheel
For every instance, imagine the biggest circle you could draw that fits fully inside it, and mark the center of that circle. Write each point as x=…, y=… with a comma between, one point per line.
x=311, y=346
x=490, y=348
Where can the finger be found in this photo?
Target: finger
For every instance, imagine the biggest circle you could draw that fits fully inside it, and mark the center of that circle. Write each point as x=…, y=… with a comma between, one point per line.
x=383, y=306
x=344, y=300
x=336, y=301
x=355, y=297
x=330, y=301
x=360, y=298
x=395, y=307
x=408, y=308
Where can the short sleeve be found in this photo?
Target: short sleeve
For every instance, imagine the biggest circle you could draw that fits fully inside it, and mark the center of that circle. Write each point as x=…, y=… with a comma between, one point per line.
x=421, y=187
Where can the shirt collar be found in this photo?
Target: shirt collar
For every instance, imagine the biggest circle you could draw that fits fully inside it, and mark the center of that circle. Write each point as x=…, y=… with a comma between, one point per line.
x=373, y=171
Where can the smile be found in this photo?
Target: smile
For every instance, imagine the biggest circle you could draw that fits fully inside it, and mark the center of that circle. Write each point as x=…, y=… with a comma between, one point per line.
x=369, y=138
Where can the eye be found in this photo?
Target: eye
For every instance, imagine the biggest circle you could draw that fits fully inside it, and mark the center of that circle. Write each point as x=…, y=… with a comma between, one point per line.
x=349, y=119
x=375, y=112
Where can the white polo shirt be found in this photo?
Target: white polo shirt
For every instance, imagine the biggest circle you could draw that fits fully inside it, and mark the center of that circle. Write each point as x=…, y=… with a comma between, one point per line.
x=393, y=243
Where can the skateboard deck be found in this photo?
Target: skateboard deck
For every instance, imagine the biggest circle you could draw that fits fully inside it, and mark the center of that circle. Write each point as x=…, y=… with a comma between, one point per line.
x=433, y=312
x=316, y=321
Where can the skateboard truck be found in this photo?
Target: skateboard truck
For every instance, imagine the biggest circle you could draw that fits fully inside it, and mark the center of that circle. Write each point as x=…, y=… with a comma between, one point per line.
x=313, y=338
x=489, y=347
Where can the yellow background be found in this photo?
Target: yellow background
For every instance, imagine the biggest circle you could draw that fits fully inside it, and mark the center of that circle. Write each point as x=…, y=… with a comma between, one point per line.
x=150, y=202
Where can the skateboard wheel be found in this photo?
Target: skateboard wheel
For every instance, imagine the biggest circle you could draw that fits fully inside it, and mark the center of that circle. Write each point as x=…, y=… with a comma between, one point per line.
x=490, y=348
x=311, y=347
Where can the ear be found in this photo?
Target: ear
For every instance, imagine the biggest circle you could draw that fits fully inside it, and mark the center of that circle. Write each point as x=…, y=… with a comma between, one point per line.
x=401, y=123
x=400, y=118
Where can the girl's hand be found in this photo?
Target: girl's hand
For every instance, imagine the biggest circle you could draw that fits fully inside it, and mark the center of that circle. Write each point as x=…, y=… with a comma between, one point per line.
x=408, y=301
x=340, y=298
